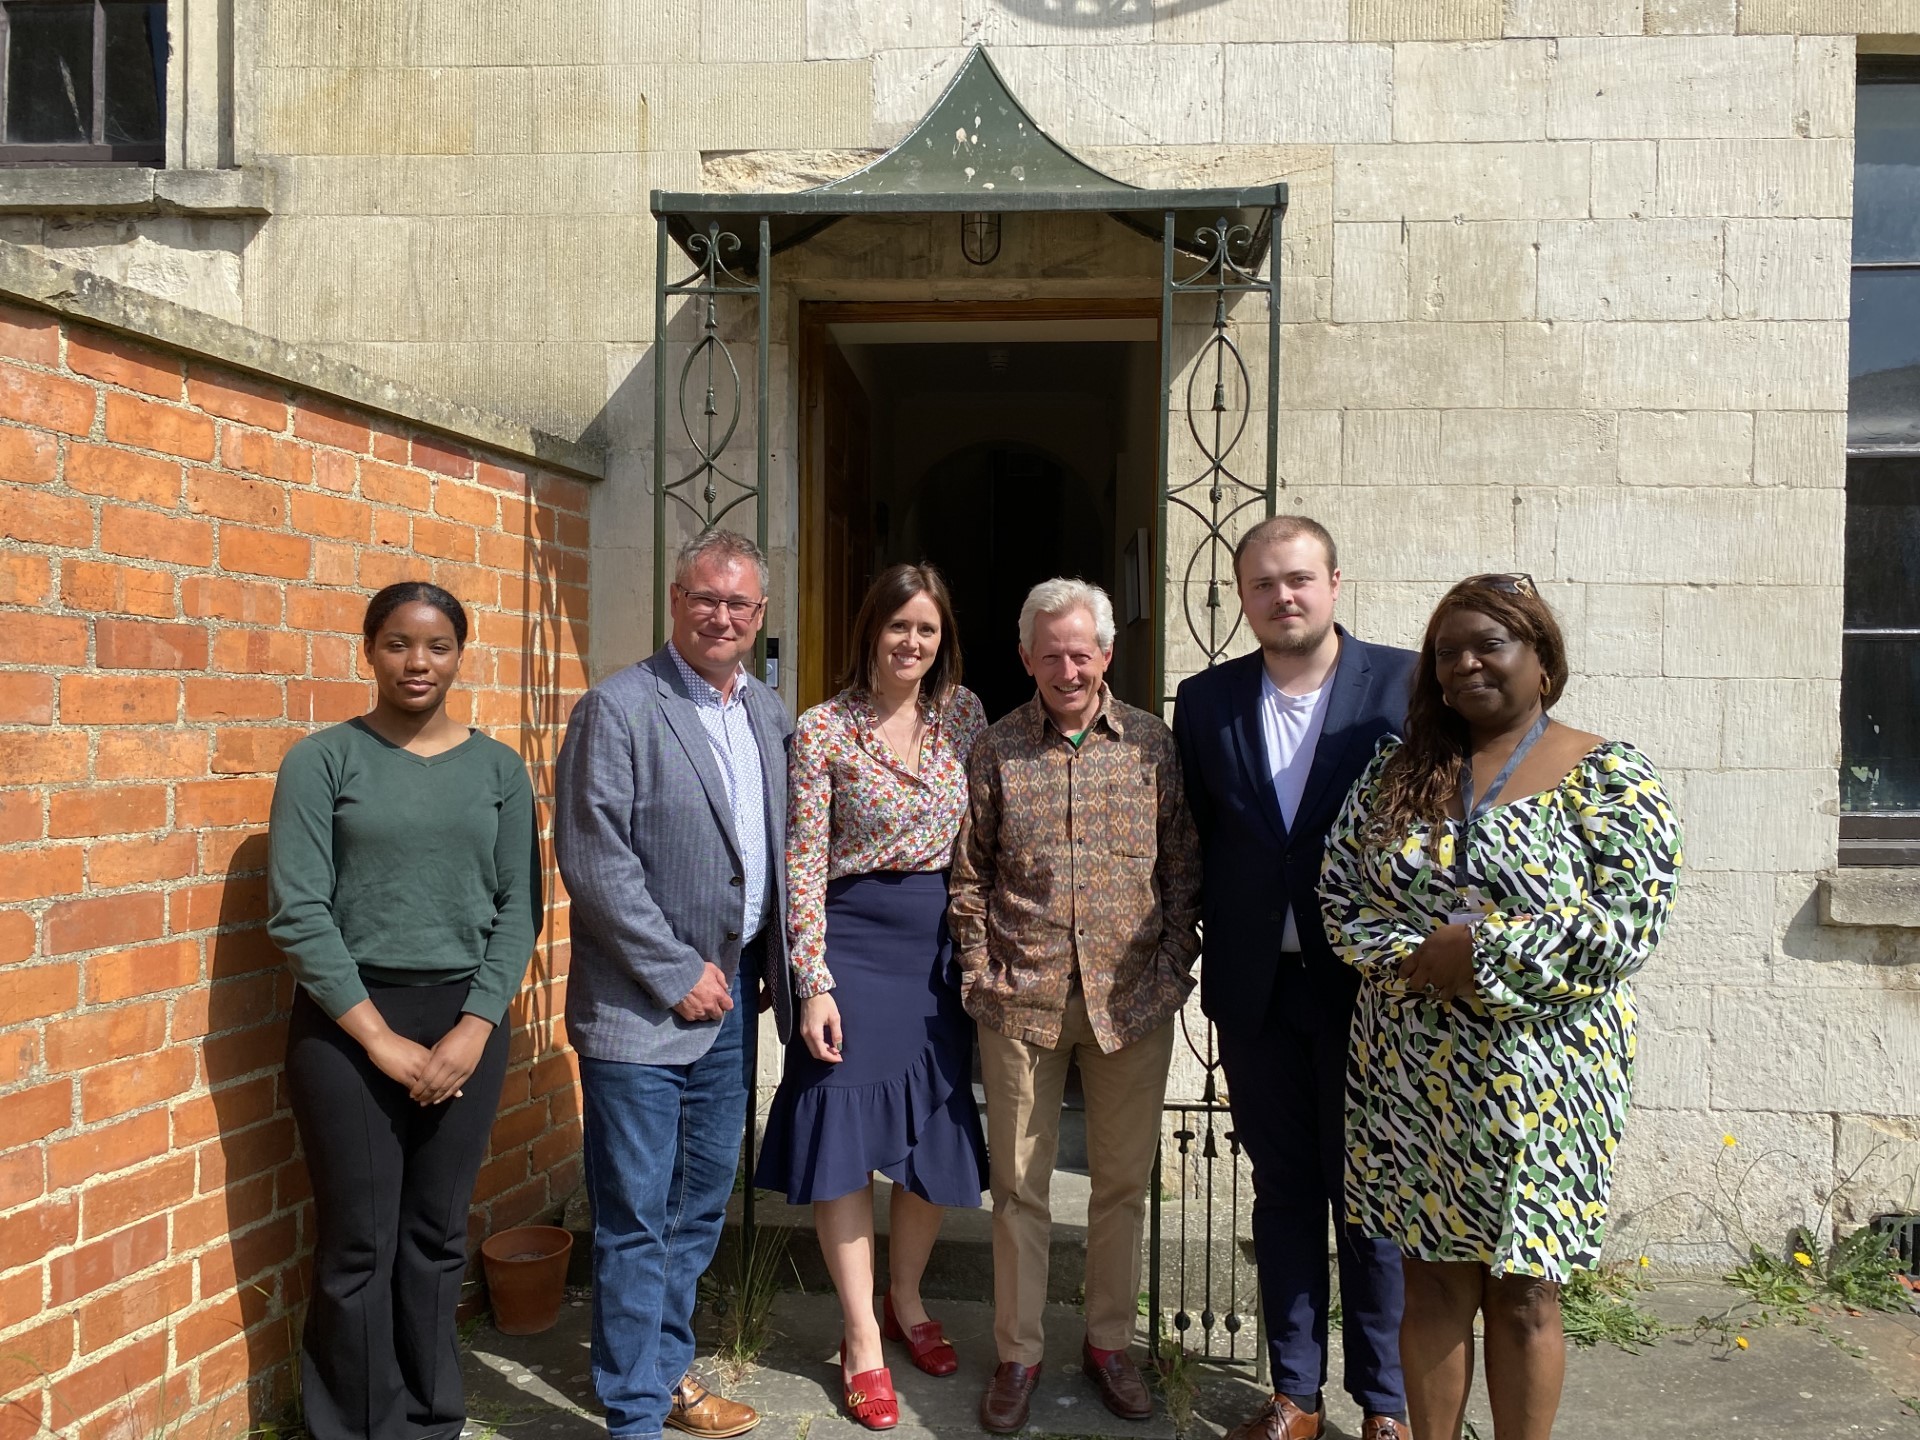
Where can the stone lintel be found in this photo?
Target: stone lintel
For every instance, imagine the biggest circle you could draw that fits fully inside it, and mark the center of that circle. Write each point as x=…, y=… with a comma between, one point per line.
x=28, y=277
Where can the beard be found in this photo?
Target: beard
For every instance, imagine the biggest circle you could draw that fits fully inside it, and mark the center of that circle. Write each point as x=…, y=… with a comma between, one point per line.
x=1307, y=642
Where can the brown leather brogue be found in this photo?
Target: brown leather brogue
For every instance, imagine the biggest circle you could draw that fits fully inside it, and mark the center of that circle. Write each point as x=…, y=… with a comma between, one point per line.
x=698, y=1411
x=1384, y=1427
x=1281, y=1419
x=1003, y=1408
x=1118, y=1379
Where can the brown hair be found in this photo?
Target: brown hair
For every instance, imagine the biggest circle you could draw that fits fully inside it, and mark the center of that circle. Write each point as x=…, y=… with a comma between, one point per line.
x=1418, y=783
x=1276, y=528
x=891, y=589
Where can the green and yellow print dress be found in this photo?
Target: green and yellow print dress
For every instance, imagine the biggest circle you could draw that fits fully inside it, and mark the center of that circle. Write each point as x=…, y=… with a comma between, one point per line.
x=1484, y=1128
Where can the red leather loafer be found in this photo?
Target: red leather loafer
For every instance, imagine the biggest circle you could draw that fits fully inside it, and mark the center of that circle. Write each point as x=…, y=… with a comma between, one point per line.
x=926, y=1343
x=869, y=1396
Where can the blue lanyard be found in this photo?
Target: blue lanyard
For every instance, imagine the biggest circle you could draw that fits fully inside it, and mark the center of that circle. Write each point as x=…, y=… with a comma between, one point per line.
x=1472, y=812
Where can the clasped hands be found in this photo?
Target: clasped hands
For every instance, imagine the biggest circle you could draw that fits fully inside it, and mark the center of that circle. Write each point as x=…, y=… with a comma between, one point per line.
x=712, y=997
x=432, y=1075
x=1441, y=966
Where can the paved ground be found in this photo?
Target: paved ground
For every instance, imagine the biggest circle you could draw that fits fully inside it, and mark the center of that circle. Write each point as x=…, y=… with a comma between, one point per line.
x=1790, y=1381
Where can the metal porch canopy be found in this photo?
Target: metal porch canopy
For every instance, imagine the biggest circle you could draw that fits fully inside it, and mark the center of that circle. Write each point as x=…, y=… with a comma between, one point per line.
x=978, y=150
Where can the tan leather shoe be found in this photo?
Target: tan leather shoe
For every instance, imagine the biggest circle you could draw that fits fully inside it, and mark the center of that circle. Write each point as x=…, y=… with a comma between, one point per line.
x=1281, y=1419
x=698, y=1411
x=1003, y=1408
x=1383, y=1427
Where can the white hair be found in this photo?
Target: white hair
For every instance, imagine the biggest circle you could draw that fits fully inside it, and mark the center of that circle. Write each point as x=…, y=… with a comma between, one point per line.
x=1057, y=597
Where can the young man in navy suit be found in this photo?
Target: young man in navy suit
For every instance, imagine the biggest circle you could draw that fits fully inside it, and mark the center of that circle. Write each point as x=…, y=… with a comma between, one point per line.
x=1270, y=743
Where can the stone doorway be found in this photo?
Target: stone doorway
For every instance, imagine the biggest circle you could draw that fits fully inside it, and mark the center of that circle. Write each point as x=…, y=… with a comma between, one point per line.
x=1003, y=450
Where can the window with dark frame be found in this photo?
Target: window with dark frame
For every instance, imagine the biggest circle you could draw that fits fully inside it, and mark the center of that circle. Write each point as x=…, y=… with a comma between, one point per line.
x=82, y=82
x=1880, y=645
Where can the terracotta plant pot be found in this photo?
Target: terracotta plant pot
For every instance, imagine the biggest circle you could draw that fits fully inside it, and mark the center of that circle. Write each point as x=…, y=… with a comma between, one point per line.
x=526, y=1270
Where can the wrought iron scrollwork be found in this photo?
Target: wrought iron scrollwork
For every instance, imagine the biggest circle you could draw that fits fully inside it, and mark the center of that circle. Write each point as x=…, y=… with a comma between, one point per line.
x=708, y=396
x=1217, y=409
x=712, y=361
x=1203, y=1174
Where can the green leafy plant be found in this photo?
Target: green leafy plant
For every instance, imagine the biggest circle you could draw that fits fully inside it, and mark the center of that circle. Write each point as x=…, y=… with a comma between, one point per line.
x=1809, y=1281
x=1598, y=1307
x=1859, y=1272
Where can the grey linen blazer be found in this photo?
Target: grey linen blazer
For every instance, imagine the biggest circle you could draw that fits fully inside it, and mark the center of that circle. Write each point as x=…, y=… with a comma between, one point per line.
x=646, y=845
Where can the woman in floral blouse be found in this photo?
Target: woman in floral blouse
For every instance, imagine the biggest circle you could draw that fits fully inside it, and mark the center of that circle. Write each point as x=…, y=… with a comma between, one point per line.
x=878, y=1076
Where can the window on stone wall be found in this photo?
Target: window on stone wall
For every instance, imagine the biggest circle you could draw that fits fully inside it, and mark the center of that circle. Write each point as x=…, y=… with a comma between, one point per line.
x=84, y=82
x=1880, y=654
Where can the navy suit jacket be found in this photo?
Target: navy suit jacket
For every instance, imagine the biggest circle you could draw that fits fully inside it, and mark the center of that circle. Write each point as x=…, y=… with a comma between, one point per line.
x=1254, y=865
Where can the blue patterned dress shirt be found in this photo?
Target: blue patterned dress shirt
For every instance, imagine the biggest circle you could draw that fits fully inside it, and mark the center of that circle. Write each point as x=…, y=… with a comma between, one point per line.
x=738, y=754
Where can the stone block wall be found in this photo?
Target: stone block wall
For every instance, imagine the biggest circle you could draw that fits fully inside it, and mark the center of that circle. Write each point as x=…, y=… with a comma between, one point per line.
x=1565, y=290
x=188, y=554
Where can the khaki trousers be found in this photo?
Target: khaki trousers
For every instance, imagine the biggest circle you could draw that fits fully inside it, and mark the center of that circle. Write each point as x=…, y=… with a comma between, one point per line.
x=1025, y=1085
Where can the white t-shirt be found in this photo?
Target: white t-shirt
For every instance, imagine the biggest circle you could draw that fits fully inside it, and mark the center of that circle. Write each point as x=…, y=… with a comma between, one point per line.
x=1290, y=726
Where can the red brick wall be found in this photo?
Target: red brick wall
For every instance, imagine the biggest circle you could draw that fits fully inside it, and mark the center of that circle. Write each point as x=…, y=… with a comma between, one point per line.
x=187, y=556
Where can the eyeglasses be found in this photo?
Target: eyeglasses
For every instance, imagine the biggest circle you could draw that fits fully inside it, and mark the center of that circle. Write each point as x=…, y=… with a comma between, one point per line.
x=1515, y=584
x=702, y=604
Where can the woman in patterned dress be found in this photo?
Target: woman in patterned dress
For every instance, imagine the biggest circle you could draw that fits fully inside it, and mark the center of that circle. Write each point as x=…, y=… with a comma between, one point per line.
x=1496, y=879
x=879, y=1074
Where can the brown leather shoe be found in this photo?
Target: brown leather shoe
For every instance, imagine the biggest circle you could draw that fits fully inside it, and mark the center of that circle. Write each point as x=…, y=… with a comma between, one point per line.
x=698, y=1411
x=1281, y=1419
x=1003, y=1408
x=1118, y=1380
x=1384, y=1427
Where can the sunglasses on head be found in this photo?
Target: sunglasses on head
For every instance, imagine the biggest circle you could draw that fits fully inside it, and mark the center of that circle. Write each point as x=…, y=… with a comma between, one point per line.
x=1514, y=584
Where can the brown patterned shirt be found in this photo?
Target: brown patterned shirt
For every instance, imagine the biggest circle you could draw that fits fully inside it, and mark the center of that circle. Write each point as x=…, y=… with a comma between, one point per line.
x=1076, y=863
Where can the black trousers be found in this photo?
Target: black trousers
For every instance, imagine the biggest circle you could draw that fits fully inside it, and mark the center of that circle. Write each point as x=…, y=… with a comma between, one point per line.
x=392, y=1182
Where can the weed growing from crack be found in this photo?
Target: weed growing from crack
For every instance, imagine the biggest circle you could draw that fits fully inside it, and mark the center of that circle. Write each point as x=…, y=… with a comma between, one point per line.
x=1598, y=1306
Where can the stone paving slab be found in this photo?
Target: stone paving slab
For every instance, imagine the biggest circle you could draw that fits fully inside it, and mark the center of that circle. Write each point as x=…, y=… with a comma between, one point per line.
x=1791, y=1381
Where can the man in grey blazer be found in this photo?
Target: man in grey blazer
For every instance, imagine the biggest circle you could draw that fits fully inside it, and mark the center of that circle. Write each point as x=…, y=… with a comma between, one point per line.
x=670, y=828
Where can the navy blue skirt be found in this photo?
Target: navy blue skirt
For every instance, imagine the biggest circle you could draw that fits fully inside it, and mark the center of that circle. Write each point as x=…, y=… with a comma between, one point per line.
x=901, y=1099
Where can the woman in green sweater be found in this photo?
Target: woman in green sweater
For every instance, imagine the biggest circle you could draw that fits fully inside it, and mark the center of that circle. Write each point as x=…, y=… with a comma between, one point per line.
x=404, y=889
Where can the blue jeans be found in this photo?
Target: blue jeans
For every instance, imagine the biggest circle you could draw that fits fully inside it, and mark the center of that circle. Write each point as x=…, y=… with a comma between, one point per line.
x=662, y=1148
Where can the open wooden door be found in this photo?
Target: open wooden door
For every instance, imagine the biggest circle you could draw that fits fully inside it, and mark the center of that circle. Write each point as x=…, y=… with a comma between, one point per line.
x=837, y=527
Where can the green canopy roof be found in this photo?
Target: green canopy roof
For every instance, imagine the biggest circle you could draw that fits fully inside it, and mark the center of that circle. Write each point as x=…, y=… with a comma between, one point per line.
x=977, y=150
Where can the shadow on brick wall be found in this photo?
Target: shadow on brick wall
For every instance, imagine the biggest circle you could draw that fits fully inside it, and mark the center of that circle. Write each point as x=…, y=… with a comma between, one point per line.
x=252, y=1178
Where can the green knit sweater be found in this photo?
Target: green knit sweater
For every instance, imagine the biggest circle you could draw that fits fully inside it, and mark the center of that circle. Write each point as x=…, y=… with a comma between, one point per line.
x=403, y=869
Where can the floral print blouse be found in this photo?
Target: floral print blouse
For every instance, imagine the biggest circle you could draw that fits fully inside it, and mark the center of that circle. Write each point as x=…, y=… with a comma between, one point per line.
x=853, y=809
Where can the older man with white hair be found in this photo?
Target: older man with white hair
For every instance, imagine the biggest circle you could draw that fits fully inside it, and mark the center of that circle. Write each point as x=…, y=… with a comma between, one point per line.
x=1074, y=902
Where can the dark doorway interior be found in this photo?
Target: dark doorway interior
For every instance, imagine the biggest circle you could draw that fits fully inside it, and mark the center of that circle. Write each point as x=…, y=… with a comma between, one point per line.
x=1003, y=461
x=998, y=518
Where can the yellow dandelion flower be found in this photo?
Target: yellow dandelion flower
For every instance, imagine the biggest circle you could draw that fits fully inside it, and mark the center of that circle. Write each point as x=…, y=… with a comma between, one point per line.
x=1645, y=1263
x=1800, y=1257
x=1740, y=1341
x=1728, y=1141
